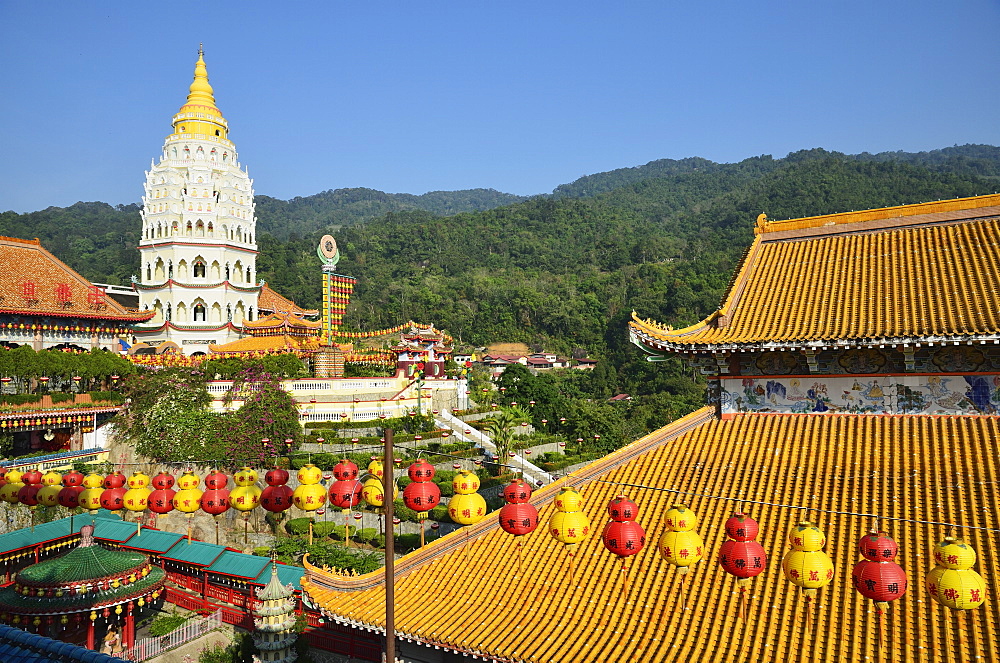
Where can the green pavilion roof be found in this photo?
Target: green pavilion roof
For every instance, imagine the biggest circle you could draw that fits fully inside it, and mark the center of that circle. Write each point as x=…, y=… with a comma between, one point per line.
x=237, y=564
x=197, y=553
x=116, y=531
x=24, y=538
x=11, y=601
x=82, y=563
x=287, y=575
x=153, y=541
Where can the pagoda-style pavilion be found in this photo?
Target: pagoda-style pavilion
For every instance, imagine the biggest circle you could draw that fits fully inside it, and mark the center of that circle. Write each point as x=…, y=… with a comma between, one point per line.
x=65, y=597
x=853, y=370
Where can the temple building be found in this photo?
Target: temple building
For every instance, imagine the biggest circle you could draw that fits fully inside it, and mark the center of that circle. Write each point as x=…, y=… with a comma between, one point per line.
x=46, y=305
x=854, y=367
x=198, y=248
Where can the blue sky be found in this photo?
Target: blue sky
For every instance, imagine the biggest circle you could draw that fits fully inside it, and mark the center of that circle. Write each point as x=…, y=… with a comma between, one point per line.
x=517, y=96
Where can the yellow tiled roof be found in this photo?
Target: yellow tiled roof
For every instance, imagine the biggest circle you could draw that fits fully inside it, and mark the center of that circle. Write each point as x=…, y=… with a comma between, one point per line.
x=270, y=300
x=280, y=342
x=864, y=276
x=278, y=320
x=943, y=469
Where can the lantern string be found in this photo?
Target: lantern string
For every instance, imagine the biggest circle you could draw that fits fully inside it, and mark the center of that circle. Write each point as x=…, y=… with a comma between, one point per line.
x=804, y=508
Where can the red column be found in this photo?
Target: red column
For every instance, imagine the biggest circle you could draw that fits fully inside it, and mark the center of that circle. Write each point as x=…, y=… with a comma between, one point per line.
x=128, y=638
x=38, y=550
x=204, y=587
x=90, y=632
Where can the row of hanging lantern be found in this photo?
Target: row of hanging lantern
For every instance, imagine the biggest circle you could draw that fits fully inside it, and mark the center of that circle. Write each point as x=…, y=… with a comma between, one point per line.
x=877, y=576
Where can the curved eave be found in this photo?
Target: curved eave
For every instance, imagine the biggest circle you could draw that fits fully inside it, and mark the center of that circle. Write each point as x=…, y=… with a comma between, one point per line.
x=170, y=283
x=659, y=344
x=228, y=247
x=171, y=325
x=128, y=317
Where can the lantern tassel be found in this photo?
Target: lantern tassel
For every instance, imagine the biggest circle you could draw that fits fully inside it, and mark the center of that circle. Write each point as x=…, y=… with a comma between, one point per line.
x=624, y=578
x=519, y=555
x=571, y=579
x=743, y=604
x=880, y=607
x=808, y=608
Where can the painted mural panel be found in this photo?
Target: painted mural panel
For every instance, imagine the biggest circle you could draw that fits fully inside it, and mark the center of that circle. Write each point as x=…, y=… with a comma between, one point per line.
x=901, y=394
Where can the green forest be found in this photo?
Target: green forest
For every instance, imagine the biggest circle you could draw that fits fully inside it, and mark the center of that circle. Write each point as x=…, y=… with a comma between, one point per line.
x=560, y=271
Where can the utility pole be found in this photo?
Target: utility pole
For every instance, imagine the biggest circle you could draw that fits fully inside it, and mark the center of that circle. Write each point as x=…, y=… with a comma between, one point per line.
x=390, y=558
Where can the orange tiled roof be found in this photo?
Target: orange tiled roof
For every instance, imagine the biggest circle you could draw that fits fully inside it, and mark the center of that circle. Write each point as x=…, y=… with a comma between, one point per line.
x=277, y=343
x=473, y=598
x=281, y=321
x=899, y=273
x=35, y=282
x=269, y=300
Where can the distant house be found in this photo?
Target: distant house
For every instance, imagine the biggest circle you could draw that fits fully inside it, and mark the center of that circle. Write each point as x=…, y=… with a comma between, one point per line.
x=619, y=397
x=585, y=363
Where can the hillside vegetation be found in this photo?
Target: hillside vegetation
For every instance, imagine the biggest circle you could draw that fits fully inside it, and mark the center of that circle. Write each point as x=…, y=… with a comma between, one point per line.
x=561, y=271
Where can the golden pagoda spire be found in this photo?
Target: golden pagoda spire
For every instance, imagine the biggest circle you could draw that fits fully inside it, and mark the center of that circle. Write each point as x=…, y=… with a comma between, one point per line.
x=199, y=114
x=200, y=92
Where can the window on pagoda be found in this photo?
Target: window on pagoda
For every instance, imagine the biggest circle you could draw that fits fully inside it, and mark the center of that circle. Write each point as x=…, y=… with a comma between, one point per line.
x=170, y=269
x=229, y=312
x=199, y=312
x=188, y=229
x=248, y=276
x=199, y=269
x=168, y=314
x=200, y=228
x=227, y=271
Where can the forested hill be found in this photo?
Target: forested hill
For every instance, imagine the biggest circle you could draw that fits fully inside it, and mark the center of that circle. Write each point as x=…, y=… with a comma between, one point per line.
x=981, y=160
x=342, y=207
x=562, y=272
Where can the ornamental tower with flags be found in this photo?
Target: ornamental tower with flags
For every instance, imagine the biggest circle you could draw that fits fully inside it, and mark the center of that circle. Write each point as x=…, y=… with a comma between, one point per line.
x=198, y=247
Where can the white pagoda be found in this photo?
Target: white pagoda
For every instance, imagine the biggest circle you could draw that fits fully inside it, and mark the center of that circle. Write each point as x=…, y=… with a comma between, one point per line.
x=198, y=246
x=274, y=622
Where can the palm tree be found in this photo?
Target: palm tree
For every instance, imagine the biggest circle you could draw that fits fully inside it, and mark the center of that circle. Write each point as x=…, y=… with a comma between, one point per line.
x=500, y=427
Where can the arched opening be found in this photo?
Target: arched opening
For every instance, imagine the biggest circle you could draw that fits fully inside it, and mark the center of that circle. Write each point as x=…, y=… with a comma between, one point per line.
x=199, y=228
x=168, y=313
x=229, y=312
x=240, y=313
x=187, y=229
x=181, y=315
x=199, y=311
x=149, y=273
x=159, y=270
x=216, y=271
x=248, y=276
x=237, y=271
x=199, y=268
x=170, y=269
x=182, y=270
x=216, y=313
x=227, y=271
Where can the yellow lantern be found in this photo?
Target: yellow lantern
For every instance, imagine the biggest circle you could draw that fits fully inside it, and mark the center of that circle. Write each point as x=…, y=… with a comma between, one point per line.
x=51, y=478
x=952, y=553
x=188, y=498
x=137, y=496
x=48, y=494
x=467, y=508
x=806, y=565
x=245, y=477
x=375, y=468
x=680, y=545
x=372, y=493
x=309, y=496
x=953, y=582
x=93, y=487
x=14, y=484
x=310, y=474
x=568, y=525
x=465, y=483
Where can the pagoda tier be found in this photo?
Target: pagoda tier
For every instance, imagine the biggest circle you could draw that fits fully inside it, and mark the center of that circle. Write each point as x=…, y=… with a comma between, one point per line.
x=274, y=632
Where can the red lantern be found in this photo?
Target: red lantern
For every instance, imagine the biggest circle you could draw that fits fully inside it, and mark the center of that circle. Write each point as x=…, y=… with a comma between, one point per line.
x=741, y=556
x=69, y=496
x=31, y=477
x=161, y=500
x=422, y=495
x=345, y=470
x=518, y=518
x=276, y=477
x=28, y=495
x=72, y=478
x=517, y=492
x=216, y=480
x=622, y=509
x=215, y=501
x=878, y=547
x=878, y=577
x=112, y=499
x=421, y=471
x=162, y=481
x=623, y=536
x=345, y=494
x=115, y=480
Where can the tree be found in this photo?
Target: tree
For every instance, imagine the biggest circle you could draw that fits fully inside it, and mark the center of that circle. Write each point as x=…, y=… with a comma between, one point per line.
x=500, y=427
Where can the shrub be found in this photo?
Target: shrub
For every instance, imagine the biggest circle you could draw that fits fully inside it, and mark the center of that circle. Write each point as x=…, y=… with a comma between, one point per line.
x=403, y=482
x=297, y=526
x=407, y=541
x=262, y=551
x=323, y=528
x=447, y=490
x=337, y=531
x=106, y=396
x=366, y=534
x=62, y=398
x=440, y=514
x=168, y=624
